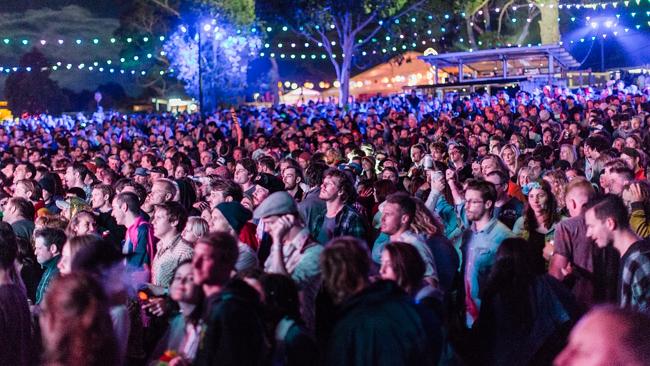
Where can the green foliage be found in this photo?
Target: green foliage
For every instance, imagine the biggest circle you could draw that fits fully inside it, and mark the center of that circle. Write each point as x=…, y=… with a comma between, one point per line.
x=238, y=12
x=33, y=91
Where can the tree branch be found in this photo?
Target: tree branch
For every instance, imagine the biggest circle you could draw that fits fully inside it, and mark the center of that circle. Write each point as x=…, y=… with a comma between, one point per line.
x=504, y=10
x=164, y=4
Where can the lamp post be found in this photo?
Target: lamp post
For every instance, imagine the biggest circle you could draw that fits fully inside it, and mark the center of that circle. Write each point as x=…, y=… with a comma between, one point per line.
x=200, y=73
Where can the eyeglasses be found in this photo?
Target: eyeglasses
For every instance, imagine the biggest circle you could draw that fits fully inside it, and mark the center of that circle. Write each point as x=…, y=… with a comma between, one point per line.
x=474, y=202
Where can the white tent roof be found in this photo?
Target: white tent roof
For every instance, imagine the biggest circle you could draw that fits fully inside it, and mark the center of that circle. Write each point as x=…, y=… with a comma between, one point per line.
x=300, y=95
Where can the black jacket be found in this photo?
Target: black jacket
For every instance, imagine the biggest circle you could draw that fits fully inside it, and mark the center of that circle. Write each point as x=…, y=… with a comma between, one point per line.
x=234, y=333
x=380, y=326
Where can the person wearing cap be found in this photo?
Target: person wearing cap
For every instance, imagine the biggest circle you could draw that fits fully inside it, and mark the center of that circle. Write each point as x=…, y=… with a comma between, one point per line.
x=231, y=217
x=141, y=176
x=293, y=251
x=71, y=205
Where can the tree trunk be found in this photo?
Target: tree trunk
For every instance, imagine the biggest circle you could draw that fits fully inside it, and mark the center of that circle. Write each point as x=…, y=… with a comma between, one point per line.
x=344, y=77
x=275, y=79
x=470, y=32
x=549, y=25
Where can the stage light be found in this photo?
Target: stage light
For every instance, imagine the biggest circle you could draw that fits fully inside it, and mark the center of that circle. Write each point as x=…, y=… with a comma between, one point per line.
x=594, y=25
x=609, y=24
x=207, y=27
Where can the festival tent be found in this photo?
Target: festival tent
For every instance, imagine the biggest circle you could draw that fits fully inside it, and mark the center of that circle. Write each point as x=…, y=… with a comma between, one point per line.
x=391, y=77
x=300, y=96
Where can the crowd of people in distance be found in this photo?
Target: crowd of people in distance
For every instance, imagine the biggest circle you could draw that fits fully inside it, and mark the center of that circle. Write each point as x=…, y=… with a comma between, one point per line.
x=408, y=230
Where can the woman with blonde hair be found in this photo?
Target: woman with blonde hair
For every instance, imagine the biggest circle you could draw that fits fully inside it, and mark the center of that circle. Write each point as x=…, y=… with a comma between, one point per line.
x=509, y=154
x=195, y=228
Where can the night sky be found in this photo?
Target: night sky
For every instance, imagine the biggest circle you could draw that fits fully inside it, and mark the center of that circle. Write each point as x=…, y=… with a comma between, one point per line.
x=70, y=20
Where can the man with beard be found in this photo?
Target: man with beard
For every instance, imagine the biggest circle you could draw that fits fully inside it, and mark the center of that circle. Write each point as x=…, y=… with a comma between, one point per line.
x=292, y=177
x=479, y=243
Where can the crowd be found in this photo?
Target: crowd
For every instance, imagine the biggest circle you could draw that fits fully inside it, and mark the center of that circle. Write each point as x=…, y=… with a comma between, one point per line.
x=410, y=230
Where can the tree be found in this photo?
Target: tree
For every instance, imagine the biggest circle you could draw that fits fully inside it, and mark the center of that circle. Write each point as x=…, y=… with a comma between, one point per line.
x=223, y=65
x=349, y=24
x=30, y=89
x=513, y=22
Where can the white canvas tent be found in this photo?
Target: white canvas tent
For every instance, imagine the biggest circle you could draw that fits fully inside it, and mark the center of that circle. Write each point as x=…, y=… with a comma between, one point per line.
x=300, y=96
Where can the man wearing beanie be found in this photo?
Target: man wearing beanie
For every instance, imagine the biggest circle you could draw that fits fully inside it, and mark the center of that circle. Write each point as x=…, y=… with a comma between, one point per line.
x=293, y=252
x=48, y=186
x=231, y=217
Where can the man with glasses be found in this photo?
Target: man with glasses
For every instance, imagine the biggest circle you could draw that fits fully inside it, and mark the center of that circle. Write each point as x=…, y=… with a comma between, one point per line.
x=479, y=243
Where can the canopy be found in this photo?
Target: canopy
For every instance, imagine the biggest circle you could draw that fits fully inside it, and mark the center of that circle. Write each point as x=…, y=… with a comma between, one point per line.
x=300, y=96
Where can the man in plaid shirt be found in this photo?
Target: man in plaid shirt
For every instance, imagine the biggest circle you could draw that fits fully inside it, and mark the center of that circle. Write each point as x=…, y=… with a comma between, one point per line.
x=607, y=223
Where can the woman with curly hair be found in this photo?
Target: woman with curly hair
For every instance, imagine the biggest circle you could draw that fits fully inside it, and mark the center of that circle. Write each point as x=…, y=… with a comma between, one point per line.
x=537, y=225
x=76, y=325
x=558, y=182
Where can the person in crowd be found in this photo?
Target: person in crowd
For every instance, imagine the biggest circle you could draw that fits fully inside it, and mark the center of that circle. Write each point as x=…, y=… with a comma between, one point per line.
x=633, y=159
x=234, y=333
x=576, y=260
x=479, y=245
x=83, y=222
x=294, y=252
x=370, y=308
x=339, y=217
x=16, y=337
x=636, y=196
x=76, y=176
x=19, y=213
x=397, y=218
x=101, y=200
x=608, y=336
x=183, y=335
x=162, y=190
x=507, y=209
x=537, y=225
x=607, y=224
x=48, y=244
x=292, y=343
x=71, y=247
x=292, y=177
x=138, y=245
x=195, y=228
x=76, y=325
x=525, y=317
x=231, y=217
x=168, y=223
x=312, y=205
x=245, y=174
